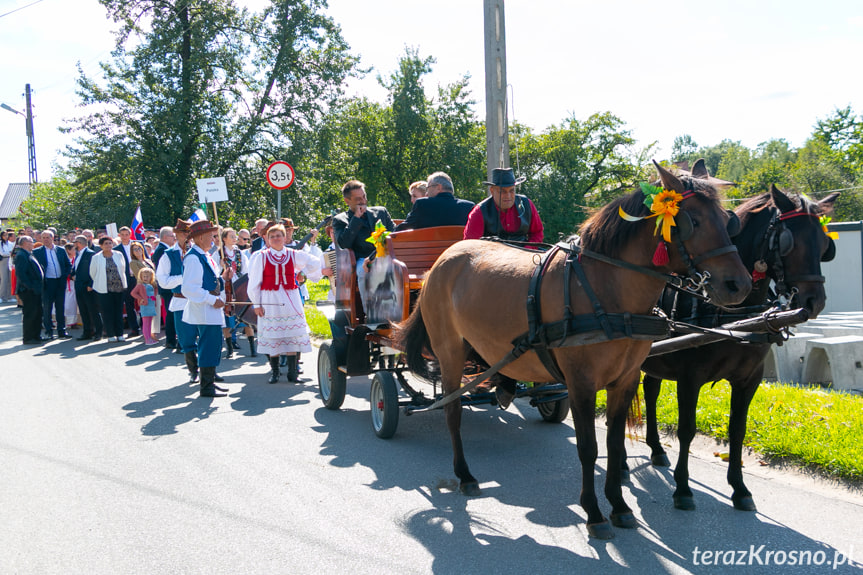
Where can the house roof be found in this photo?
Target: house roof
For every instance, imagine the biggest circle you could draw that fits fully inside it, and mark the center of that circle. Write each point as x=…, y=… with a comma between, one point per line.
x=15, y=195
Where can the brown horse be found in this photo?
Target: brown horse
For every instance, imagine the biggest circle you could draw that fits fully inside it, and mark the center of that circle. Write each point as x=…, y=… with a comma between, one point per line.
x=475, y=297
x=783, y=236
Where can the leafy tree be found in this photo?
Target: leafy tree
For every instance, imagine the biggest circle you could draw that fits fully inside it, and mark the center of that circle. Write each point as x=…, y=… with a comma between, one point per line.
x=202, y=88
x=684, y=149
x=388, y=146
x=574, y=166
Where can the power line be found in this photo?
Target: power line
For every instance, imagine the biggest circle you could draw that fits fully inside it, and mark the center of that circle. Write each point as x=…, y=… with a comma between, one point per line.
x=21, y=8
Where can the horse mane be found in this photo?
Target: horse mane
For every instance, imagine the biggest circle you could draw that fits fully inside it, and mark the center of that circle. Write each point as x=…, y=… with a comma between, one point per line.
x=763, y=201
x=607, y=233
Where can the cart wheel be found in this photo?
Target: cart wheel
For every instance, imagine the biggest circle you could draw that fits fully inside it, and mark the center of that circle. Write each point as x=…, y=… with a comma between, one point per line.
x=331, y=381
x=384, y=398
x=554, y=411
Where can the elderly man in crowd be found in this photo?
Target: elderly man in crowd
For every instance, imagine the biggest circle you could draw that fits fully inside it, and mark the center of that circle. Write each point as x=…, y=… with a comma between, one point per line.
x=88, y=303
x=439, y=208
x=30, y=280
x=56, y=267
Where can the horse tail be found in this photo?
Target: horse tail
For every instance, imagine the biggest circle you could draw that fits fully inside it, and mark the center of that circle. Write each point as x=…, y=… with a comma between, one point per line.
x=634, y=418
x=411, y=335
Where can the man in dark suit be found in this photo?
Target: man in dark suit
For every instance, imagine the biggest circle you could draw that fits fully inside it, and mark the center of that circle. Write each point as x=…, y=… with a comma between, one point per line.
x=124, y=248
x=29, y=288
x=88, y=305
x=56, y=269
x=166, y=240
x=355, y=225
x=258, y=243
x=439, y=208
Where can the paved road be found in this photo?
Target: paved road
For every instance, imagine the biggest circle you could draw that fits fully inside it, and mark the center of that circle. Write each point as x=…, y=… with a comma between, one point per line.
x=111, y=464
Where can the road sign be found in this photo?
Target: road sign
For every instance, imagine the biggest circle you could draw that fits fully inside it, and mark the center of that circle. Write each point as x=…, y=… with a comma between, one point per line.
x=280, y=175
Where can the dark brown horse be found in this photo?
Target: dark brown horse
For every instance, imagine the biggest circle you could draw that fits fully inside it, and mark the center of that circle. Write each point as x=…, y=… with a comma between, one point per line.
x=474, y=297
x=786, y=237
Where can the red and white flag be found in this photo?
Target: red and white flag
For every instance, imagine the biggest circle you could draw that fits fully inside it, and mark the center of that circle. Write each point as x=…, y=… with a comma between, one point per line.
x=138, y=225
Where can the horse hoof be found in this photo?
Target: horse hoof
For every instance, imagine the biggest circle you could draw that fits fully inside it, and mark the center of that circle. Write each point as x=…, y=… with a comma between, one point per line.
x=660, y=460
x=744, y=503
x=600, y=530
x=625, y=520
x=470, y=489
x=684, y=502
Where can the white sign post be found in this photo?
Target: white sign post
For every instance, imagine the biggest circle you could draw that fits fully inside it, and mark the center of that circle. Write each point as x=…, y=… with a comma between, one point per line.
x=280, y=175
x=211, y=190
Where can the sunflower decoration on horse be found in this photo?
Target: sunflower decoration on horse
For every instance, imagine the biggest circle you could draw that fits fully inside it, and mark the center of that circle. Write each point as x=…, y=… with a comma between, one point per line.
x=664, y=205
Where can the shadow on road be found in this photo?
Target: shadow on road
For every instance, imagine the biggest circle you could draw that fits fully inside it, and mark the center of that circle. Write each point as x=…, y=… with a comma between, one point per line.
x=532, y=468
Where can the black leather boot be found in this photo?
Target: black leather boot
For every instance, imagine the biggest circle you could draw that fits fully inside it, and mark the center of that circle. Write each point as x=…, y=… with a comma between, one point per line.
x=208, y=388
x=192, y=364
x=253, y=347
x=274, y=366
x=293, y=373
x=229, y=347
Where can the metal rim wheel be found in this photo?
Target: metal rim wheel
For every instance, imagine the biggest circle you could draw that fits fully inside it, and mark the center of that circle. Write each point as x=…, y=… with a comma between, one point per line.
x=384, y=397
x=331, y=381
x=554, y=411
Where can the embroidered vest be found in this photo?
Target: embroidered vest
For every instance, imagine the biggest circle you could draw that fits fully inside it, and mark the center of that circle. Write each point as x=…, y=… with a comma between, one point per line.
x=210, y=280
x=176, y=259
x=278, y=276
x=493, y=226
x=235, y=263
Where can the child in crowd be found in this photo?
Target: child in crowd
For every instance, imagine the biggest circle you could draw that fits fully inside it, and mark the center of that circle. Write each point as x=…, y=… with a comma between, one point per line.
x=145, y=294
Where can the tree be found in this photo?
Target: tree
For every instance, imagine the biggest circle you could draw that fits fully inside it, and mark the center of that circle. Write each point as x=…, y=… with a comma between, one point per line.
x=388, y=146
x=684, y=149
x=574, y=166
x=201, y=88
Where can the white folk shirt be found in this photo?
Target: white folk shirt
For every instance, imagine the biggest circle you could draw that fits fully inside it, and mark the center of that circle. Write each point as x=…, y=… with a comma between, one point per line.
x=169, y=282
x=199, y=305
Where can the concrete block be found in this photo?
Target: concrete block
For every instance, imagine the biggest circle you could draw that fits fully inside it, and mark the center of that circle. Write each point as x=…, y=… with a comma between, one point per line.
x=785, y=363
x=836, y=360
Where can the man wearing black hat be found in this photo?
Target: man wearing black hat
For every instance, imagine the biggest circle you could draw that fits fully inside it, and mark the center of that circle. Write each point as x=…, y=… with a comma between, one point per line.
x=439, y=208
x=506, y=215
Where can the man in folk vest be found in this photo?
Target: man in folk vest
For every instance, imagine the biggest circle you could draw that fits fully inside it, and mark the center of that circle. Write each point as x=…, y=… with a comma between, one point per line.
x=204, y=290
x=505, y=214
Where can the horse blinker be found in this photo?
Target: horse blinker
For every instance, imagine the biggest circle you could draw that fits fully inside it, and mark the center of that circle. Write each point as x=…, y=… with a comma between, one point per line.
x=831, y=251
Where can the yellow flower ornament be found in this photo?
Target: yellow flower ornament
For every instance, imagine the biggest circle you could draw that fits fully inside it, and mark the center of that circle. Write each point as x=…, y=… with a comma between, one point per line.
x=664, y=205
x=824, y=221
x=379, y=239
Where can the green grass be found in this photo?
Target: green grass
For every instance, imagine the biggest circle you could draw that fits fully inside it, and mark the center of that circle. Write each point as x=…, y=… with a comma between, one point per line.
x=318, y=324
x=811, y=427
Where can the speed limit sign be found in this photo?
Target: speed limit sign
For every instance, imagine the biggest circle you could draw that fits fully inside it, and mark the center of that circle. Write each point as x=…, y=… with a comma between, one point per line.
x=280, y=175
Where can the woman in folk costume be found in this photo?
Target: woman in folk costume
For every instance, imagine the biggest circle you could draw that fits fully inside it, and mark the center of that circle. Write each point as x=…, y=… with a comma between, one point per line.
x=282, y=327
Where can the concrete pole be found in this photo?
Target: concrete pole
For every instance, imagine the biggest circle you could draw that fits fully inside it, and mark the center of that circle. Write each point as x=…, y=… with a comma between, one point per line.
x=31, y=142
x=496, y=126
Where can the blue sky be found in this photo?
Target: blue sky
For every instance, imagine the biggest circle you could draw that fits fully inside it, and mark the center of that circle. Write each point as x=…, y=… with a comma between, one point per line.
x=744, y=70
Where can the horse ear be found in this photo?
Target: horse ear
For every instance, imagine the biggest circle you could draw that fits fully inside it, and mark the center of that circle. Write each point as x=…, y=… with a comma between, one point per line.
x=669, y=180
x=781, y=201
x=827, y=203
x=699, y=169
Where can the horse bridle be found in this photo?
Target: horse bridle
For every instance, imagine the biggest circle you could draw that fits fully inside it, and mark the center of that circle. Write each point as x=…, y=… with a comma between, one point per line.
x=776, y=243
x=684, y=230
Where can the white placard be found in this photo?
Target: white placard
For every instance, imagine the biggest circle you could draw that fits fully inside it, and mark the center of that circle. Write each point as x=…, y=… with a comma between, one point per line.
x=111, y=230
x=212, y=190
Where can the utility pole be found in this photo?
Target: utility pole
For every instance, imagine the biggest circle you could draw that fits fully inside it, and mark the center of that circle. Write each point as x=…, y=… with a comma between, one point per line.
x=31, y=142
x=496, y=125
